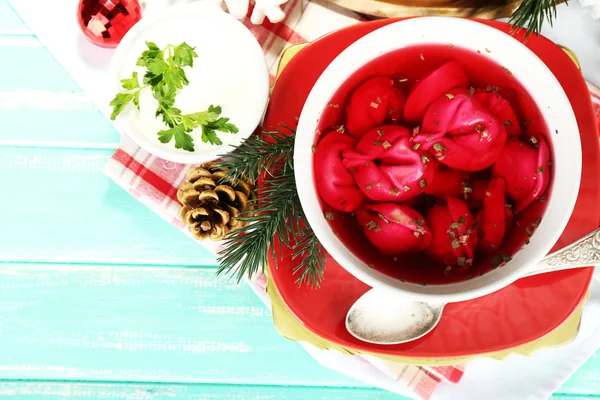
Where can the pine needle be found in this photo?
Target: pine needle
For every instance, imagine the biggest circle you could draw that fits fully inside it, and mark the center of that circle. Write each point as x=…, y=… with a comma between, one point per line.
x=531, y=14
x=275, y=214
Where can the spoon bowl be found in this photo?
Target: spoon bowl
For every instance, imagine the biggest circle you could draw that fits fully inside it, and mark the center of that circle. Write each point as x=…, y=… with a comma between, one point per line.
x=382, y=317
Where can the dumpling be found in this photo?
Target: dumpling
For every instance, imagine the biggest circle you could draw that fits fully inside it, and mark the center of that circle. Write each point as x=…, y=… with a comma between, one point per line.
x=374, y=103
x=454, y=234
x=334, y=183
x=394, y=228
x=448, y=182
x=387, y=168
x=461, y=133
x=525, y=168
x=500, y=108
x=494, y=217
x=435, y=84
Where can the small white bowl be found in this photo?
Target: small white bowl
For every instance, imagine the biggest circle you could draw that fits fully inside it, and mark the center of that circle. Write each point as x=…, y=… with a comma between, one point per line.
x=527, y=68
x=230, y=71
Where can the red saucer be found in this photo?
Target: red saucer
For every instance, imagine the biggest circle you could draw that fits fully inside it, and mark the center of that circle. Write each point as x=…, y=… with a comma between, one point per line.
x=520, y=313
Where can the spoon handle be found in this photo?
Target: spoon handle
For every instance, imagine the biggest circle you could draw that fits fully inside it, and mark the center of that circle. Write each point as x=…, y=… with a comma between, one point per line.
x=583, y=253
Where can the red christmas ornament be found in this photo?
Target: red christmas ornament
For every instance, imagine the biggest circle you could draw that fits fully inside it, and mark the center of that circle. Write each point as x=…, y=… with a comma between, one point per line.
x=105, y=22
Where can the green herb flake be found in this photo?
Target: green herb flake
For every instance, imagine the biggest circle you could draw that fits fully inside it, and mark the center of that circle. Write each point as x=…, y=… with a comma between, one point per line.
x=461, y=261
x=395, y=191
x=507, y=123
x=449, y=96
x=422, y=183
x=505, y=257
x=329, y=216
x=406, y=188
x=455, y=225
x=496, y=262
x=455, y=244
x=386, y=145
x=416, y=146
x=380, y=132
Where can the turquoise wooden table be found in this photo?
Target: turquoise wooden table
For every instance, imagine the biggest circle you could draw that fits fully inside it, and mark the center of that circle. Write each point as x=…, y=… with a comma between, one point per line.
x=100, y=298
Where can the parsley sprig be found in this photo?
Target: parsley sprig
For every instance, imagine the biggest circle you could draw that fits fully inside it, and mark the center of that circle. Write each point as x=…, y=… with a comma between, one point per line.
x=164, y=76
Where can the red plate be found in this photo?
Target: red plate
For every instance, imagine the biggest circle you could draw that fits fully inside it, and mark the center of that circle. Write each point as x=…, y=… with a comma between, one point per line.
x=526, y=310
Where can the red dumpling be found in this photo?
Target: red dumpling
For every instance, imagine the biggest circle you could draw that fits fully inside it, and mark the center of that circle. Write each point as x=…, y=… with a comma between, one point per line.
x=494, y=217
x=474, y=193
x=525, y=168
x=375, y=102
x=454, y=234
x=501, y=109
x=386, y=167
x=433, y=85
x=461, y=133
x=334, y=183
x=448, y=182
x=393, y=228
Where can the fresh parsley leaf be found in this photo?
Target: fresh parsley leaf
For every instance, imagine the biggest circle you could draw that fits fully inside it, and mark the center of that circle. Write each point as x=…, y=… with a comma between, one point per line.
x=184, y=55
x=182, y=139
x=157, y=66
x=210, y=136
x=131, y=83
x=174, y=76
x=165, y=76
x=223, y=125
x=136, y=99
x=213, y=109
x=152, y=45
x=119, y=103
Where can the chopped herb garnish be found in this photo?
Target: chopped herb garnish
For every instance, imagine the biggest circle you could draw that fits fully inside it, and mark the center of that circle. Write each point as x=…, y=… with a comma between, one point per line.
x=461, y=220
x=455, y=244
x=329, y=216
x=496, y=262
x=416, y=146
x=424, y=159
x=423, y=283
x=380, y=132
x=455, y=225
x=528, y=231
x=386, y=145
x=505, y=257
x=449, y=96
x=461, y=261
x=314, y=149
x=438, y=146
x=507, y=123
x=394, y=191
x=371, y=225
x=540, y=169
x=406, y=188
x=341, y=129
x=377, y=143
x=422, y=183
x=368, y=187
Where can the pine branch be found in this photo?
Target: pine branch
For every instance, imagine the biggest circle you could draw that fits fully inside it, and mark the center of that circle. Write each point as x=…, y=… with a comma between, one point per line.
x=312, y=266
x=531, y=14
x=260, y=153
x=275, y=215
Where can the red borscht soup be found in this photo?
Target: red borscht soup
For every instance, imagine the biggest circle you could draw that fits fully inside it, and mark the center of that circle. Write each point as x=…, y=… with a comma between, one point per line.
x=433, y=164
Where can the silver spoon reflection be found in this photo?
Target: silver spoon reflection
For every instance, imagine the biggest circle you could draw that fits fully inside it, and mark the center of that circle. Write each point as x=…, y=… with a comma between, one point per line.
x=379, y=317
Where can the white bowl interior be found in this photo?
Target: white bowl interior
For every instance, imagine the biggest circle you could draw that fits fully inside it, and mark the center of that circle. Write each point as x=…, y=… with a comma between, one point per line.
x=533, y=75
x=230, y=71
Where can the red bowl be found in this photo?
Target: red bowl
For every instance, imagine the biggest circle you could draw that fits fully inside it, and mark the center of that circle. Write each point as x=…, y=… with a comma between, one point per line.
x=520, y=313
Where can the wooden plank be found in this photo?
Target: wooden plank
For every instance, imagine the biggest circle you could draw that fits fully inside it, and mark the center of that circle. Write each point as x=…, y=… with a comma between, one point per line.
x=74, y=390
x=58, y=207
x=127, y=324
x=10, y=23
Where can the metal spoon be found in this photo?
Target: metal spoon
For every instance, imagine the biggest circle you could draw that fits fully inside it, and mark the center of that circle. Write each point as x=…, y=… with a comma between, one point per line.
x=404, y=321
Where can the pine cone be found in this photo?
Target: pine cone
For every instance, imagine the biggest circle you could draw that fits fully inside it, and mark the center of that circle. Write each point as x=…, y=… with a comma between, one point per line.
x=211, y=207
